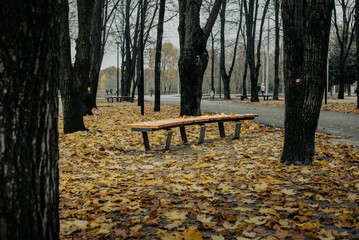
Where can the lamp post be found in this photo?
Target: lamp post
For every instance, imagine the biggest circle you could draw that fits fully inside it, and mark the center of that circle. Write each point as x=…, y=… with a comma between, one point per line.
x=118, y=90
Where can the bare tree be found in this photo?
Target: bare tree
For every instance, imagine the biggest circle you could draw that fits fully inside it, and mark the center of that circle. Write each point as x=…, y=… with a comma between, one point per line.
x=226, y=77
x=345, y=36
x=161, y=17
x=29, y=65
x=276, y=51
x=74, y=78
x=251, y=10
x=102, y=15
x=306, y=29
x=193, y=53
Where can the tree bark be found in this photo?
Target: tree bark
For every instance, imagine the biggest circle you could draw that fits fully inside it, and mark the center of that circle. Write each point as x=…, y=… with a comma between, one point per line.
x=128, y=62
x=276, y=52
x=306, y=28
x=251, y=12
x=161, y=17
x=226, y=77
x=193, y=58
x=212, y=61
x=74, y=79
x=357, y=45
x=71, y=91
x=97, y=51
x=29, y=64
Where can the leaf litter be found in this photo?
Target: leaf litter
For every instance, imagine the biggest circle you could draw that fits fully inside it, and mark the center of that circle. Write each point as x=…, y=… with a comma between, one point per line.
x=110, y=188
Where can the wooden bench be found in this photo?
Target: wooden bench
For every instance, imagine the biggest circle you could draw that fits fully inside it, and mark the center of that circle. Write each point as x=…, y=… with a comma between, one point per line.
x=119, y=98
x=265, y=97
x=168, y=124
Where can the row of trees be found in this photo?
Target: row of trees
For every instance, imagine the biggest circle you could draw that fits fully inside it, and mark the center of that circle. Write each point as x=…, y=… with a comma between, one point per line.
x=31, y=68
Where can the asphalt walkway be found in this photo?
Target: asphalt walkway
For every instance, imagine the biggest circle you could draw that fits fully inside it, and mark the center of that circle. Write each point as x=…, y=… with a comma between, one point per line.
x=333, y=123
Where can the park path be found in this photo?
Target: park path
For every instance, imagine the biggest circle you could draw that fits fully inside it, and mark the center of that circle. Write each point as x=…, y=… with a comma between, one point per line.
x=333, y=123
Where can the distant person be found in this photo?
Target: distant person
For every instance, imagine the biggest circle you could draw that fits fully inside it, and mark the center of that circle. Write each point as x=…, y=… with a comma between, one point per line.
x=111, y=91
x=107, y=92
x=151, y=91
x=263, y=89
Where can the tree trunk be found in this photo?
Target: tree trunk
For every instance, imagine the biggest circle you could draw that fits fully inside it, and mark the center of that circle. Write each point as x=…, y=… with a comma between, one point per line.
x=74, y=80
x=306, y=29
x=224, y=76
x=128, y=62
x=244, y=82
x=276, y=53
x=345, y=37
x=161, y=16
x=97, y=51
x=71, y=91
x=357, y=46
x=29, y=177
x=251, y=12
x=212, y=61
x=193, y=58
x=342, y=76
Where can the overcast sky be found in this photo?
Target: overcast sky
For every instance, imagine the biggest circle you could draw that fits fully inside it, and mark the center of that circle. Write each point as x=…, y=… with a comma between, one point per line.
x=170, y=34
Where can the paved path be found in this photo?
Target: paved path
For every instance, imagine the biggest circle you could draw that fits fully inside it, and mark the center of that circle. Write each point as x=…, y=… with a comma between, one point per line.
x=334, y=123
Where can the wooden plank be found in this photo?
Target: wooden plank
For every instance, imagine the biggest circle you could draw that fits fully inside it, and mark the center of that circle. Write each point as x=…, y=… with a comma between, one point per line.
x=165, y=123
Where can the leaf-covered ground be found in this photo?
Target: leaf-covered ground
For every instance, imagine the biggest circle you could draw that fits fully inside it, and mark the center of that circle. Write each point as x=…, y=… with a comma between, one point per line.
x=110, y=188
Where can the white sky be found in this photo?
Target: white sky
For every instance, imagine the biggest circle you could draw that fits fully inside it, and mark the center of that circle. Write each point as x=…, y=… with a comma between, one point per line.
x=170, y=34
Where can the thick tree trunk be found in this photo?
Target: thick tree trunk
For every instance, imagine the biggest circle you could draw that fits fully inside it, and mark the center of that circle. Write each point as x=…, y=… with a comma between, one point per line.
x=28, y=120
x=357, y=46
x=71, y=91
x=306, y=30
x=161, y=16
x=276, y=53
x=193, y=58
x=83, y=50
x=192, y=66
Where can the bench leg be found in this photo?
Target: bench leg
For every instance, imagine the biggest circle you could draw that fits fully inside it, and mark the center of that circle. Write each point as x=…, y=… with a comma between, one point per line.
x=169, y=137
x=108, y=100
x=237, y=132
x=202, y=133
x=221, y=130
x=183, y=134
x=145, y=141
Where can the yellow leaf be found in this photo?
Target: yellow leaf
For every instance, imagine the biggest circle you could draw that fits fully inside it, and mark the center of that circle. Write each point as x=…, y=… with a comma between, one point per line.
x=192, y=233
x=261, y=187
x=220, y=237
x=203, y=219
x=260, y=220
x=288, y=192
x=249, y=234
x=174, y=215
x=81, y=224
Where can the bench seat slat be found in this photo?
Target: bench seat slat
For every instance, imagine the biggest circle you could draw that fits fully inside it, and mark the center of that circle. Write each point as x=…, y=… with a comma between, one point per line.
x=175, y=122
